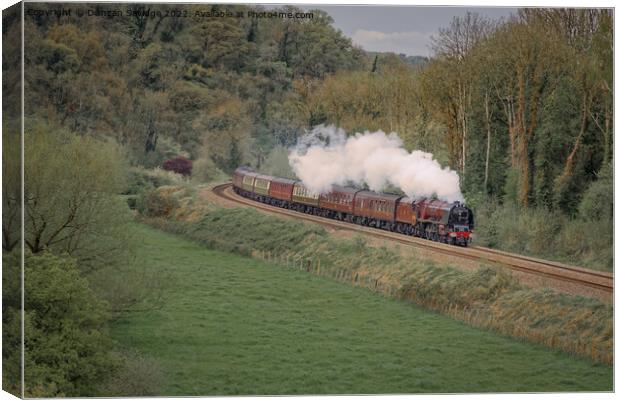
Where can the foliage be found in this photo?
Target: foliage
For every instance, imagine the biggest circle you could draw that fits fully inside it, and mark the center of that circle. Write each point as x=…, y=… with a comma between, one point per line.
x=549, y=234
x=180, y=165
x=66, y=345
x=530, y=99
x=11, y=190
x=521, y=108
x=139, y=376
x=141, y=179
x=276, y=163
x=158, y=203
x=163, y=86
x=205, y=170
x=597, y=202
x=71, y=203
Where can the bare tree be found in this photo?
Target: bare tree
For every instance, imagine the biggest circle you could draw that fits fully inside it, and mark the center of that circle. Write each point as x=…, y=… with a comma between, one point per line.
x=455, y=44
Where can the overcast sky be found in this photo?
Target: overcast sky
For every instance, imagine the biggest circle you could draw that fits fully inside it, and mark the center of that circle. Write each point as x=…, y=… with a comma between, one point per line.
x=399, y=29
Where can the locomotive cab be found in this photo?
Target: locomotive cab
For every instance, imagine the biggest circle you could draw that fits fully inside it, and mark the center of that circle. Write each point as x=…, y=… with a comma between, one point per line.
x=461, y=224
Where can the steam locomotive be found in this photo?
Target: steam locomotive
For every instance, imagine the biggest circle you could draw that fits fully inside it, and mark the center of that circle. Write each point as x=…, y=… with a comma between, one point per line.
x=432, y=219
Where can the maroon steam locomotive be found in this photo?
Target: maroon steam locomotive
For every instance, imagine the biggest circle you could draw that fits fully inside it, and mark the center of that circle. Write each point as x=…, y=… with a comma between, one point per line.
x=428, y=218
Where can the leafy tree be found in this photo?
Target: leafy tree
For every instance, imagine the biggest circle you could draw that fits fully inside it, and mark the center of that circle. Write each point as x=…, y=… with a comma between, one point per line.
x=70, y=201
x=219, y=43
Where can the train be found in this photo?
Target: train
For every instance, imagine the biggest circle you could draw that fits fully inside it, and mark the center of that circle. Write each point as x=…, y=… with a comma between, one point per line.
x=432, y=219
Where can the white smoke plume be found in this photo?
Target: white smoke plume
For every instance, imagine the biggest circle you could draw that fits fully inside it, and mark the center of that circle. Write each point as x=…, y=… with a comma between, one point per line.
x=326, y=156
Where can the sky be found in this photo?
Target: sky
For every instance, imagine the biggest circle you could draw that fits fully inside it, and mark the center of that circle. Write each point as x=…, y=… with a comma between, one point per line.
x=399, y=29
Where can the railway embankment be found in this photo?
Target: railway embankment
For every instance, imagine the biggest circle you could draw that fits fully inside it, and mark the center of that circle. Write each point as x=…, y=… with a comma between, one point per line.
x=489, y=297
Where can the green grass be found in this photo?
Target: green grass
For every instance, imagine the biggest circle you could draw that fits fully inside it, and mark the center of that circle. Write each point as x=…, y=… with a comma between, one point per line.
x=488, y=298
x=234, y=325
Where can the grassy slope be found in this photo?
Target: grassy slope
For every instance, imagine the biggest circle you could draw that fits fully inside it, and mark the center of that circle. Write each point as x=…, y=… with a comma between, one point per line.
x=233, y=325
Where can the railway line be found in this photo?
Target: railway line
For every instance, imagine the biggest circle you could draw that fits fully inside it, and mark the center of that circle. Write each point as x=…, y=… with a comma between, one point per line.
x=600, y=283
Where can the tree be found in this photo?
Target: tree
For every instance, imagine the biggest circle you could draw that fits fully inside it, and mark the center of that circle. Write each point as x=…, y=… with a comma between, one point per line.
x=454, y=46
x=70, y=196
x=313, y=48
x=219, y=43
x=11, y=189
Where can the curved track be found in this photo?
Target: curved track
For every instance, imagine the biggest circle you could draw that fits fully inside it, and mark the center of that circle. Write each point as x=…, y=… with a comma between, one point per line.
x=599, y=281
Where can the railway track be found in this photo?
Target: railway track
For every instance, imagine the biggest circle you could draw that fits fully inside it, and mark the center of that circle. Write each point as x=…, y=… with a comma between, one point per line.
x=596, y=280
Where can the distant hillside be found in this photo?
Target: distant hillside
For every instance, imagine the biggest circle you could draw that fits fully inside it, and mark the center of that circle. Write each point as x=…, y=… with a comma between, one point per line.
x=415, y=61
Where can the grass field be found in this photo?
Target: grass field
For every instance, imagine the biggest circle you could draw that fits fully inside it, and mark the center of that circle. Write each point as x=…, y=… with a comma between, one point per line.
x=234, y=325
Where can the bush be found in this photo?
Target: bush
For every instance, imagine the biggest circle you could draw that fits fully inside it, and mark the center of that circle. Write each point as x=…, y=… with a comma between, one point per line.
x=66, y=340
x=180, y=165
x=598, y=200
x=205, y=170
x=143, y=180
x=139, y=376
x=550, y=234
x=159, y=202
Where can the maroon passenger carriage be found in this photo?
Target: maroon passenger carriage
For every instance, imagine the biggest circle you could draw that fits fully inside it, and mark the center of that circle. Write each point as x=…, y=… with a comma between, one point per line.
x=338, y=203
x=281, y=192
x=428, y=218
x=376, y=209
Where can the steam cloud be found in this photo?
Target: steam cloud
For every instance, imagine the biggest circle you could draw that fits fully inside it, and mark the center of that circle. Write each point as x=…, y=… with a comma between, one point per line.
x=326, y=156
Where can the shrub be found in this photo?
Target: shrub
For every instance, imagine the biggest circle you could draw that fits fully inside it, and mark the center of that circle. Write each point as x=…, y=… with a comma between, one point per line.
x=550, y=234
x=205, y=170
x=139, y=376
x=598, y=200
x=142, y=180
x=159, y=202
x=180, y=165
x=66, y=343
